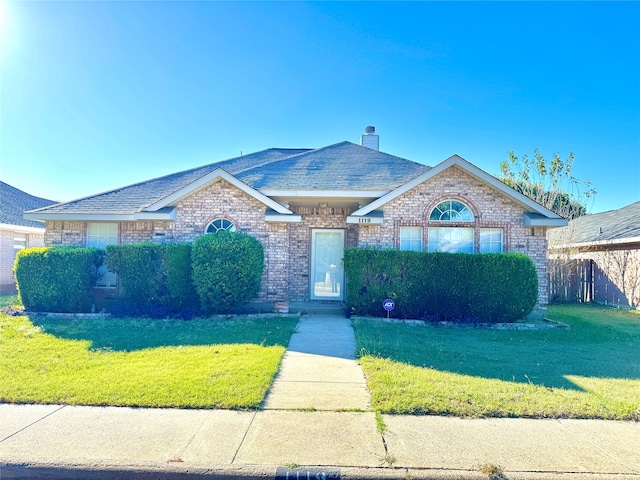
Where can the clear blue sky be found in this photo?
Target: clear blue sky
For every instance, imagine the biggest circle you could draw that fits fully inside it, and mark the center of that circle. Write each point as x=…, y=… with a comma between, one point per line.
x=97, y=95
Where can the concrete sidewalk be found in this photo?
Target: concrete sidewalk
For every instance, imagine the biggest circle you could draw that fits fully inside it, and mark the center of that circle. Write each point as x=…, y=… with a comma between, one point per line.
x=319, y=370
x=304, y=432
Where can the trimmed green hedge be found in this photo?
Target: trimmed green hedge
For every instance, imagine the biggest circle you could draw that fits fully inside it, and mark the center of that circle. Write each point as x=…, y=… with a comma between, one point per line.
x=139, y=269
x=178, y=289
x=227, y=270
x=155, y=278
x=441, y=286
x=57, y=279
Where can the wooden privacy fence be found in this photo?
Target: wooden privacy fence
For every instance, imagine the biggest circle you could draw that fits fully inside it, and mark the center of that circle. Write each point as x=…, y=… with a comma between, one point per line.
x=571, y=281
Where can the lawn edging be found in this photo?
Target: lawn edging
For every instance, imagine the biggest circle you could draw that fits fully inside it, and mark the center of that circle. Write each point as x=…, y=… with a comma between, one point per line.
x=545, y=324
x=105, y=315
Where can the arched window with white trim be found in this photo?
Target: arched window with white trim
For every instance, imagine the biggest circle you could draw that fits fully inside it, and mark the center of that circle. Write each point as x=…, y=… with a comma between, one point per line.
x=454, y=228
x=451, y=211
x=220, y=224
x=452, y=239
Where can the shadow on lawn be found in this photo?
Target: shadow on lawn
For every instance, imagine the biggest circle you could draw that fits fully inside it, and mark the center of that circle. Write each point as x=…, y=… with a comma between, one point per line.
x=590, y=349
x=541, y=363
x=128, y=334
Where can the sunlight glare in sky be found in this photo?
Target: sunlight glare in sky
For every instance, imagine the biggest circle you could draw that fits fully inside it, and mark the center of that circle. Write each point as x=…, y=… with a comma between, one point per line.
x=3, y=20
x=5, y=26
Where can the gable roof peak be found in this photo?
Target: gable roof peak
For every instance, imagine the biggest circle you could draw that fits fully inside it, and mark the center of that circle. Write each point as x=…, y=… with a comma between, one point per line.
x=456, y=160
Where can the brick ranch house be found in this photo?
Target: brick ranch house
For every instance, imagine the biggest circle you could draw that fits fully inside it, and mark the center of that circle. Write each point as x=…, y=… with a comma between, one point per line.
x=306, y=205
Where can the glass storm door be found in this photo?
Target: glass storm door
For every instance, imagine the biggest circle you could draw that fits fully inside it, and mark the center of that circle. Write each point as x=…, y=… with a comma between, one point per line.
x=327, y=274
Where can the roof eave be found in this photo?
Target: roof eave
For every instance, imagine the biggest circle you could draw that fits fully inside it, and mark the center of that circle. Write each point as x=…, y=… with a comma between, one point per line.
x=372, y=218
x=166, y=214
x=21, y=228
x=595, y=243
x=310, y=193
x=536, y=220
x=282, y=218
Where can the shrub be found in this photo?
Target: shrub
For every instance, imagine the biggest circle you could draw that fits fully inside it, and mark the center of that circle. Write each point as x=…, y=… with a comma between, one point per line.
x=155, y=278
x=57, y=279
x=227, y=270
x=139, y=270
x=374, y=275
x=443, y=286
x=178, y=284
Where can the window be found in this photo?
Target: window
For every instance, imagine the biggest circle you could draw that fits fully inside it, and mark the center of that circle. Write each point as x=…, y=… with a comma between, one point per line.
x=460, y=239
x=490, y=240
x=99, y=235
x=19, y=241
x=411, y=238
x=451, y=211
x=450, y=239
x=220, y=224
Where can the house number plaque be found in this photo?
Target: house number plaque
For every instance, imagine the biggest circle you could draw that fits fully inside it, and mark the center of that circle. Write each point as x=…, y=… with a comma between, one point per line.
x=284, y=473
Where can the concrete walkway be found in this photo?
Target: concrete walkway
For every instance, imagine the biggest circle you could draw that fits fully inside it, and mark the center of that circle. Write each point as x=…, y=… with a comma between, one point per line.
x=307, y=429
x=319, y=370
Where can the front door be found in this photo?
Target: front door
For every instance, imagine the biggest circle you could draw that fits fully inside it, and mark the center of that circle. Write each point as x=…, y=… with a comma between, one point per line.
x=327, y=274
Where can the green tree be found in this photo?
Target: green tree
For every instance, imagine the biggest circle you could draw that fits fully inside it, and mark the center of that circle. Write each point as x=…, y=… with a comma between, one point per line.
x=550, y=183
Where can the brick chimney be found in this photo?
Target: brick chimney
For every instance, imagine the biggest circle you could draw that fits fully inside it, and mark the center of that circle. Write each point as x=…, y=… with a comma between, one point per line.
x=370, y=139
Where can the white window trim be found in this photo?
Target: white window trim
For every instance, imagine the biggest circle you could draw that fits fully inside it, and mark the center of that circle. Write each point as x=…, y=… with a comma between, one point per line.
x=490, y=242
x=415, y=238
x=443, y=228
x=20, y=241
x=450, y=201
x=230, y=228
x=101, y=239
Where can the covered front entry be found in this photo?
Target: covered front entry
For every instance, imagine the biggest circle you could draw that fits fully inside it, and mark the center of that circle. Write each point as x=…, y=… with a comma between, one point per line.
x=327, y=273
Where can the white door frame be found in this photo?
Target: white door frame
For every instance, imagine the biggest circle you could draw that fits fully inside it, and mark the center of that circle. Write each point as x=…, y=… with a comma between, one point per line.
x=332, y=276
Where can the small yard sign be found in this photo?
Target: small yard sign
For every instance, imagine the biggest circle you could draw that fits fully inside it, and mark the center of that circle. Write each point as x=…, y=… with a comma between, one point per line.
x=388, y=305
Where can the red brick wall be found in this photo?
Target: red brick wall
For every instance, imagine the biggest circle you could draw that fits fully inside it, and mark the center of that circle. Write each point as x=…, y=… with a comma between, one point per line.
x=65, y=233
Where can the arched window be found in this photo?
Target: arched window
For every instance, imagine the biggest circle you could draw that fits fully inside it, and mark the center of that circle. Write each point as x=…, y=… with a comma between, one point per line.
x=220, y=224
x=451, y=239
x=451, y=211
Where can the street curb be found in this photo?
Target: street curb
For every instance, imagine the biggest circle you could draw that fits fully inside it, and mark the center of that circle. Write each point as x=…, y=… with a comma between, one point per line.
x=58, y=471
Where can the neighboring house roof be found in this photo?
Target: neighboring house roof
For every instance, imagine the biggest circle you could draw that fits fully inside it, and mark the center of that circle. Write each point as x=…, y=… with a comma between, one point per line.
x=13, y=204
x=611, y=227
x=276, y=175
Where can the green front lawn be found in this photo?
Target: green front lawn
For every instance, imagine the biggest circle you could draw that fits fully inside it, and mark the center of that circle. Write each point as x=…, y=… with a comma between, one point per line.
x=9, y=301
x=590, y=371
x=199, y=363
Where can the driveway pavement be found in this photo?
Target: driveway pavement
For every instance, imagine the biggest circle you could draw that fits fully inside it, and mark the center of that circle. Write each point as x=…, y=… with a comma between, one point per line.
x=316, y=423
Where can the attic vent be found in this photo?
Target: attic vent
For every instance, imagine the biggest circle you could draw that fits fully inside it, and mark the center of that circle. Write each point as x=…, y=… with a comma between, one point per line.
x=370, y=139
